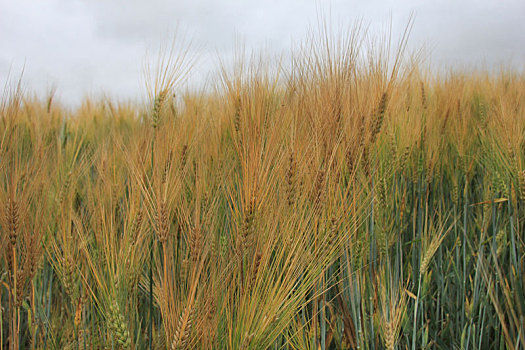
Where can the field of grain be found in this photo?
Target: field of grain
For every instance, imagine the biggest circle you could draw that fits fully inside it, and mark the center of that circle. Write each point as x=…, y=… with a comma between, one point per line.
x=352, y=201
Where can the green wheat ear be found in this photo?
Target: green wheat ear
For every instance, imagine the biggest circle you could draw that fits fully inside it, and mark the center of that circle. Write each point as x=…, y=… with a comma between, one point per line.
x=158, y=103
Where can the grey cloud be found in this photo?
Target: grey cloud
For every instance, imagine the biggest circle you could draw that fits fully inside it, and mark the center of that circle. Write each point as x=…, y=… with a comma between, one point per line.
x=88, y=46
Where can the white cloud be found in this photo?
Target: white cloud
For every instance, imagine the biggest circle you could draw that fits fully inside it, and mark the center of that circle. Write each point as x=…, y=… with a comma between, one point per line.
x=88, y=46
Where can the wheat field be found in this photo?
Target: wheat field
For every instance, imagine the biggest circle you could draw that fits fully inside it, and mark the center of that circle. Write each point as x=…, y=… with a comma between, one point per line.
x=350, y=200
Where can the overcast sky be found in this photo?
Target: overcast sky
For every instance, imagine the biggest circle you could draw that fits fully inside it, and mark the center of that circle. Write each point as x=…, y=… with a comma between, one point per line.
x=86, y=47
